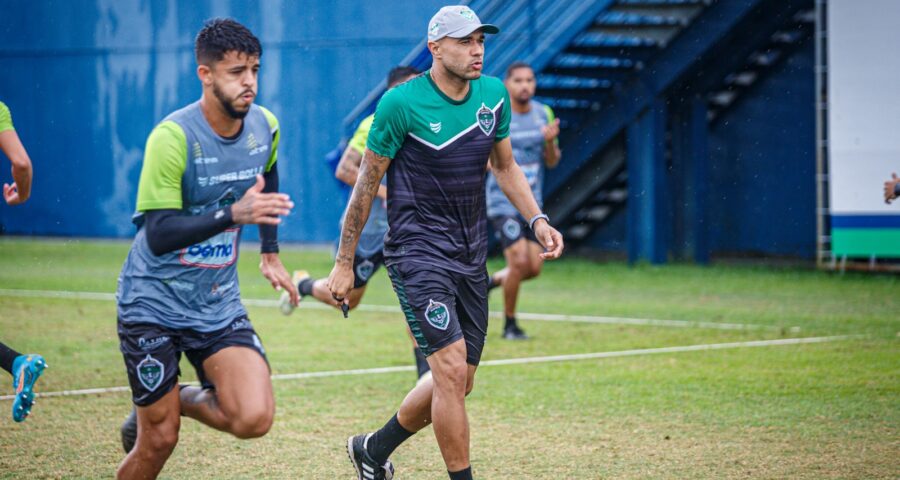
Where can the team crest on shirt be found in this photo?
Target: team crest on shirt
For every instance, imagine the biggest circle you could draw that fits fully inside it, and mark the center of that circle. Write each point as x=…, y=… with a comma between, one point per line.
x=437, y=315
x=486, y=119
x=150, y=372
x=435, y=127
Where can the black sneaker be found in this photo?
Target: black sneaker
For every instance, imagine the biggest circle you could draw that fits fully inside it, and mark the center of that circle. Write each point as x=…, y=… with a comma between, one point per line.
x=513, y=332
x=129, y=431
x=366, y=468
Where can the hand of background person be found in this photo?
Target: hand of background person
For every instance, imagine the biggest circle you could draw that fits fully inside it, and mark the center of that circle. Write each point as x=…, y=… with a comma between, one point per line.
x=551, y=131
x=261, y=208
x=271, y=267
x=890, y=188
x=11, y=194
x=550, y=238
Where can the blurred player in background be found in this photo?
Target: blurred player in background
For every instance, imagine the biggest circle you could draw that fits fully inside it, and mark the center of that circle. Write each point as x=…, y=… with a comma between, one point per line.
x=533, y=132
x=208, y=169
x=25, y=369
x=369, y=253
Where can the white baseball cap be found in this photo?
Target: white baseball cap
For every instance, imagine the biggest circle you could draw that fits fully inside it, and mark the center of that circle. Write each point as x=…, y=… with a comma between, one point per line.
x=456, y=21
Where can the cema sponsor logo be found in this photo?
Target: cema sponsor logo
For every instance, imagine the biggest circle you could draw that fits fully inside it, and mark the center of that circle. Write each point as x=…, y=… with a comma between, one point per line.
x=219, y=251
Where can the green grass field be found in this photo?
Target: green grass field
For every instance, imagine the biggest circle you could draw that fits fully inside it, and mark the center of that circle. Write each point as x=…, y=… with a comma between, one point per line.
x=823, y=410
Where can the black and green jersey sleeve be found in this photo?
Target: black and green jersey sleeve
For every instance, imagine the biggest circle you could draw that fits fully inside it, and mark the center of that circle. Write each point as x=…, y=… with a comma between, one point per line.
x=390, y=125
x=165, y=158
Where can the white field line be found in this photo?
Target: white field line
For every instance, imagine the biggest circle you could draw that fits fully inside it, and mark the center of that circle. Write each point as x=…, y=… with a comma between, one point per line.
x=508, y=361
x=542, y=317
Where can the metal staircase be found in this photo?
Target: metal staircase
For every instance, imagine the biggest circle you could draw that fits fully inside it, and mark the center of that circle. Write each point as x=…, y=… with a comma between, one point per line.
x=603, y=64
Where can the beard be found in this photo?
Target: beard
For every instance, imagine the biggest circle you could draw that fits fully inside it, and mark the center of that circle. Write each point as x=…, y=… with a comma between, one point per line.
x=228, y=105
x=460, y=72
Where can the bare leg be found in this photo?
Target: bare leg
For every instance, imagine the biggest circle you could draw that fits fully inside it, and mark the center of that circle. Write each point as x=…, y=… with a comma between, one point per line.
x=323, y=294
x=442, y=400
x=158, y=426
x=243, y=403
x=516, y=265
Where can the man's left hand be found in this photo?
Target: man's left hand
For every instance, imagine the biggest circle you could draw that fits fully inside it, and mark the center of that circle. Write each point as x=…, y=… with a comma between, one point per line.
x=271, y=267
x=550, y=238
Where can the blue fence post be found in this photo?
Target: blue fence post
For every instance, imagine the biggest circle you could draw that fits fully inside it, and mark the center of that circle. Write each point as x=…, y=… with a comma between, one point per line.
x=697, y=157
x=648, y=190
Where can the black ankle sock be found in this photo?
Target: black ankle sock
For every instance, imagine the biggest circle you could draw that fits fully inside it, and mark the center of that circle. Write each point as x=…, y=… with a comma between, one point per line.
x=421, y=363
x=492, y=283
x=306, y=286
x=464, y=474
x=383, y=442
x=7, y=357
x=510, y=322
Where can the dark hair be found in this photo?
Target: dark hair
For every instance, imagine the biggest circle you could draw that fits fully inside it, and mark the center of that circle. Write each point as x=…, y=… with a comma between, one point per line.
x=398, y=74
x=515, y=66
x=221, y=35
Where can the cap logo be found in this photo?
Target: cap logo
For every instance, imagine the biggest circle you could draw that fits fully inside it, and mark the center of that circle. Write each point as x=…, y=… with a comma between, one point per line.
x=467, y=13
x=433, y=29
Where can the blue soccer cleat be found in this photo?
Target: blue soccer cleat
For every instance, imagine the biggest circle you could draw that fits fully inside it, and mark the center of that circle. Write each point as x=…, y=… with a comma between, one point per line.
x=26, y=370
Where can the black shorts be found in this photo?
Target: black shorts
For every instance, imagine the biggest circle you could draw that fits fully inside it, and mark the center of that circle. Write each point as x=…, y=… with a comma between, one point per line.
x=152, y=353
x=442, y=306
x=366, y=266
x=510, y=228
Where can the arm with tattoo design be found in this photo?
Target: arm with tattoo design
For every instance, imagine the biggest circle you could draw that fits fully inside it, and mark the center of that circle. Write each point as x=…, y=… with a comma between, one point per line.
x=368, y=180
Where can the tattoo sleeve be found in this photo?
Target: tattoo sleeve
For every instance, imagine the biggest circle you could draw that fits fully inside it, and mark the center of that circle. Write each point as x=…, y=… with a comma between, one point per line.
x=371, y=170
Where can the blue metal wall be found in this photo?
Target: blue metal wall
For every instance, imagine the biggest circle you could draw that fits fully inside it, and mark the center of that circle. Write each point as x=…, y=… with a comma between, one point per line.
x=87, y=80
x=763, y=166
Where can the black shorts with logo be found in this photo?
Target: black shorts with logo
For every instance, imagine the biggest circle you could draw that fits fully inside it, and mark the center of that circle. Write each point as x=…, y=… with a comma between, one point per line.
x=510, y=228
x=152, y=353
x=364, y=266
x=441, y=306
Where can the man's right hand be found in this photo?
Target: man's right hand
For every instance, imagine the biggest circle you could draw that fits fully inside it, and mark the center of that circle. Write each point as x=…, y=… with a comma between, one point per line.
x=261, y=208
x=340, y=281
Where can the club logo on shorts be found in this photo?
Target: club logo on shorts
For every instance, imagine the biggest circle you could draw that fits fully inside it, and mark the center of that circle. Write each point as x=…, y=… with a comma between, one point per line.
x=150, y=372
x=364, y=270
x=512, y=229
x=437, y=315
x=486, y=119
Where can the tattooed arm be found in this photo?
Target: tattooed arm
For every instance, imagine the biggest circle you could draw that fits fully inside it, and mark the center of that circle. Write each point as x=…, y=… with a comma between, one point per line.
x=348, y=170
x=369, y=179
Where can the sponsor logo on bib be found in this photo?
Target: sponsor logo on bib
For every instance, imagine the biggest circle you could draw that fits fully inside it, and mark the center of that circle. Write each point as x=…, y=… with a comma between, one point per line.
x=219, y=251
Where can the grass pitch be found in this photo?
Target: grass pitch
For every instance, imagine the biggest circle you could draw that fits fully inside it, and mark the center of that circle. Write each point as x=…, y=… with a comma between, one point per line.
x=828, y=410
